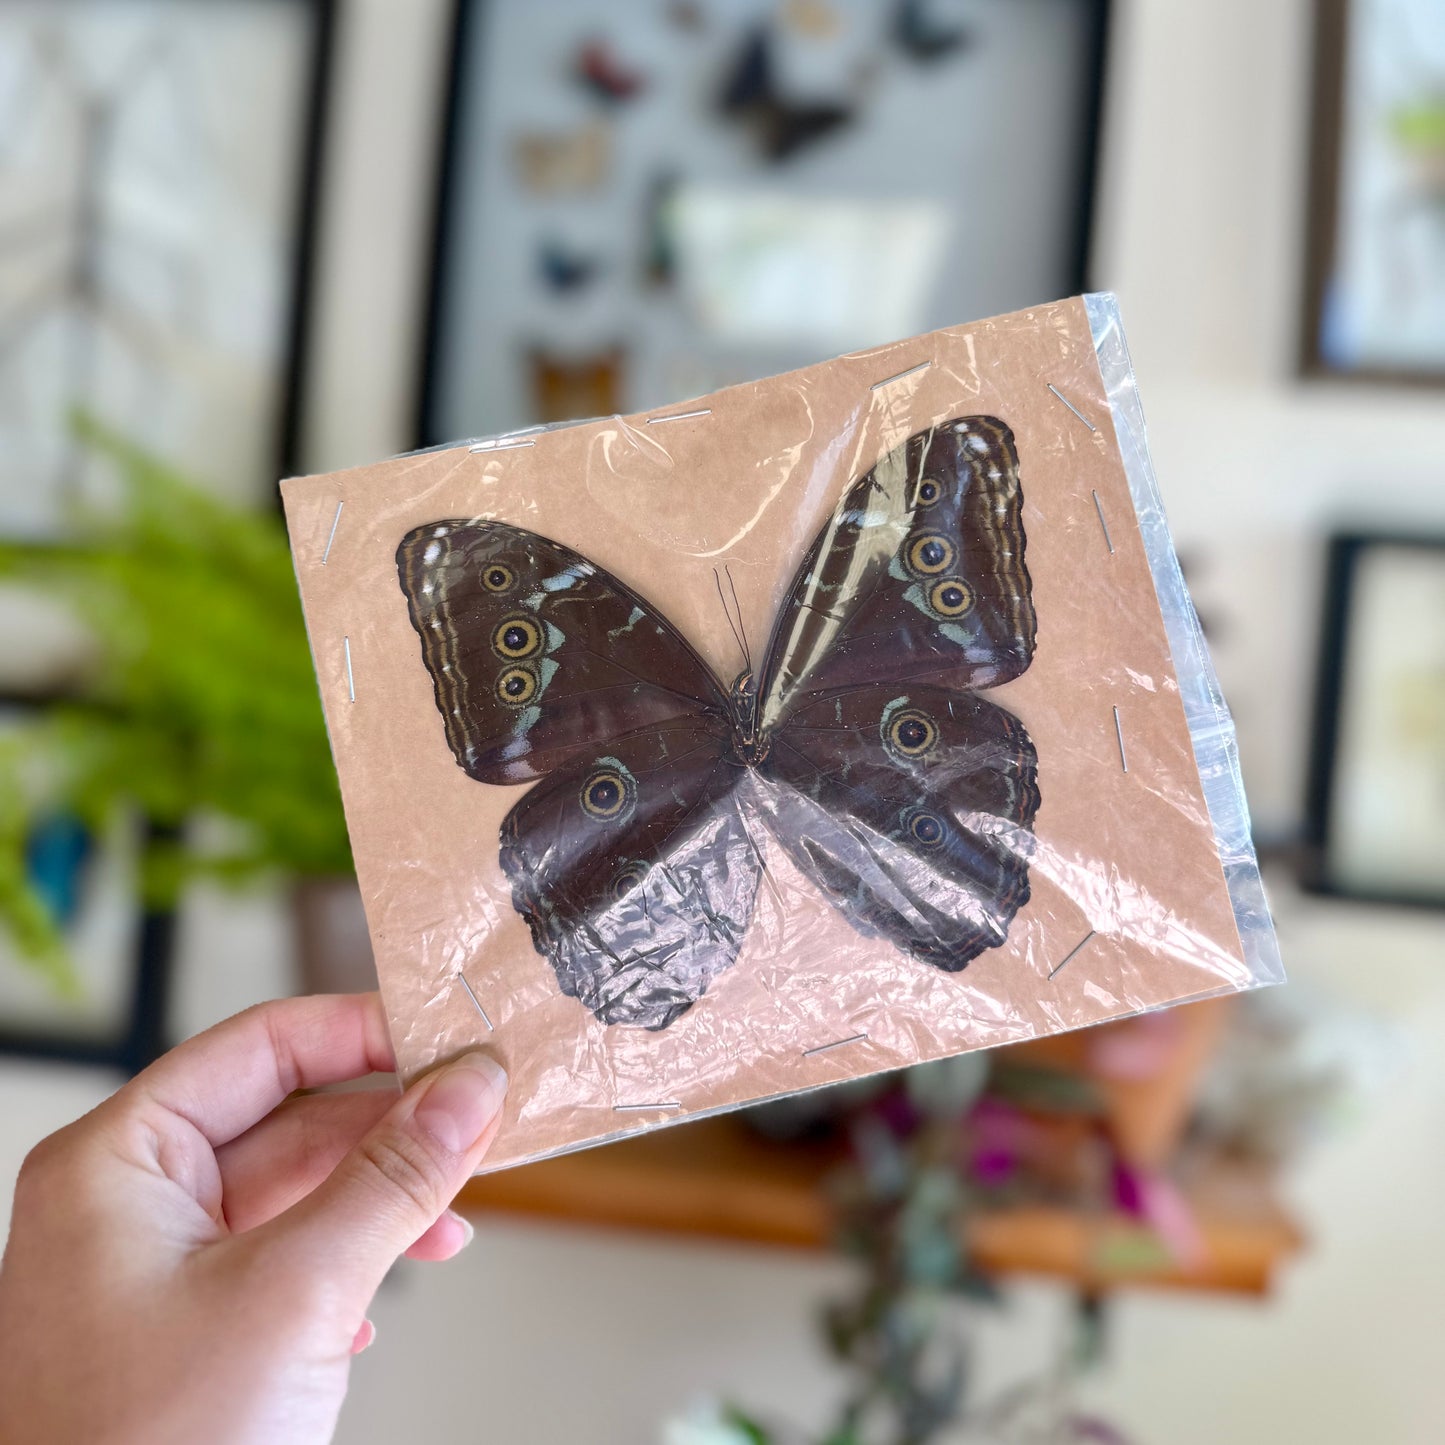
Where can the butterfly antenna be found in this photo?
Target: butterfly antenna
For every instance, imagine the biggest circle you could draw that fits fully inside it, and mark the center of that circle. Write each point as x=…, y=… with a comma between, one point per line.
x=737, y=637
x=738, y=608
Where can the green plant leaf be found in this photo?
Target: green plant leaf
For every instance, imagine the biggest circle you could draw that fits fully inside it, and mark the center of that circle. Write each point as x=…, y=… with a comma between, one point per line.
x=746, y=1426
x=200, y=700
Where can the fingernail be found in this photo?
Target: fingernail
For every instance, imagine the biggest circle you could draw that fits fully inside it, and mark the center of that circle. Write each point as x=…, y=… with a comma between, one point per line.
x=468, y=1233
x=364, y=1336
x=462, y=1101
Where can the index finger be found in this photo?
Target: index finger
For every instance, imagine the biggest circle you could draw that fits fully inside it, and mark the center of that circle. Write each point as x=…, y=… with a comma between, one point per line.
x=225, y=1079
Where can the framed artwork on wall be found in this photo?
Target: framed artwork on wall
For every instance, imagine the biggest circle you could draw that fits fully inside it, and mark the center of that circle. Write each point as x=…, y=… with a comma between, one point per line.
x=112, y=1011
x=1377, y=777
x=158, y=163
x=1375, y=244
x=710, y=193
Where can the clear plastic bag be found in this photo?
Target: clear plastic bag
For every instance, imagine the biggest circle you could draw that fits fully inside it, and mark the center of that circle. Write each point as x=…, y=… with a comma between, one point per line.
x=838, y=721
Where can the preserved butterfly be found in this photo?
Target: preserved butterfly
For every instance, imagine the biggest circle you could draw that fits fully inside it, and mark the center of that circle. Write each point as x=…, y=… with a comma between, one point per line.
x=859, y=742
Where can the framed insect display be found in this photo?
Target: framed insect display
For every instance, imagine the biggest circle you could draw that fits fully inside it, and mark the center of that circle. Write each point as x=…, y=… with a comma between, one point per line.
x=1376, y=824
x=1375, y=246
x=813, y=728
x=749, y=193
x=157, y=188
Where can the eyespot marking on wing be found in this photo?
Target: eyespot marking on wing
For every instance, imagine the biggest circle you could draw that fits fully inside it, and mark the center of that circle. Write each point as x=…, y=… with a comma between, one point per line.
x=950, y=597
x=518, y=685
x=929, y=555
x=927, y=492
x=516, y=637
x=630, y=875
x=609, y=792
x=925, y=828
x=908, y=732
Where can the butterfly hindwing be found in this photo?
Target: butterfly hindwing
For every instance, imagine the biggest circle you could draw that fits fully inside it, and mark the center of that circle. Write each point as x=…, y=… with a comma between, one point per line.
x=919, y=574
x=911, y=808
x=536, y=655
x=635, y=872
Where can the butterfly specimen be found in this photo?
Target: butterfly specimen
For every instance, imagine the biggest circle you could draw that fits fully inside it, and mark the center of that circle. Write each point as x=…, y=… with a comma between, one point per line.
x=604, y=75
x=923, y=38
x=564, y=269
x=858, y=743
x=564, y=387
x=781, y=127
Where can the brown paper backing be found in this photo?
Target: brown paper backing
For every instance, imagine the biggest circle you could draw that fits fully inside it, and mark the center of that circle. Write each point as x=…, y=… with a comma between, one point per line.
x=1128, y=855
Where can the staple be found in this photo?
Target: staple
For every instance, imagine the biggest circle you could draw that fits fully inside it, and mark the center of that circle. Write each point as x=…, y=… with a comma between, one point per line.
x=502, y=445
x=898, y=376
x=679, y=416
x=471, y=994
x=1072, y=407
x=1085, y=939
x=630, y=1108
x=331, y=537
x=836, y=1044
x=1119, y=733
x=350, y=679
x=1099, y=508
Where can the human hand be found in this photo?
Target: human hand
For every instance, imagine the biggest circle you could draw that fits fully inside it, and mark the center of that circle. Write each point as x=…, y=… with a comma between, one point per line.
x=193, y=1260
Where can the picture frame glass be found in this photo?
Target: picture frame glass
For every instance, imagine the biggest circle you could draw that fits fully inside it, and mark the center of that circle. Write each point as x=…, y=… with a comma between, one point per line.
x=151, y=225
x=1379, y=289
x=1387, y=812
x=656, y=201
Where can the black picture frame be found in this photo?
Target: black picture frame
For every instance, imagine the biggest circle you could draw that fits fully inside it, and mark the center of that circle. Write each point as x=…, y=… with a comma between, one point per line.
x=141, y=1032
x=296, y=367
x=282, y=453
x=430, y=429
x=1334, y=57
x=1322, y=869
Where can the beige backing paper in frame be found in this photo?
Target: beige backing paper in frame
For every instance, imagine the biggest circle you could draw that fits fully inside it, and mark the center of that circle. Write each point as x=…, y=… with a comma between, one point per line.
x=1125, y=856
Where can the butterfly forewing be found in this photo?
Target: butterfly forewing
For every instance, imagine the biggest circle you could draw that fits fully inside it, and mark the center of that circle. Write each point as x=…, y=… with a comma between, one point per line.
x=919, y=574
x=536, y=655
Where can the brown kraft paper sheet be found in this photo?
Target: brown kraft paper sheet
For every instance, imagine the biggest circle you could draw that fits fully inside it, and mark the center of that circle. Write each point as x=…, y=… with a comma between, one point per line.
x=1125, y=858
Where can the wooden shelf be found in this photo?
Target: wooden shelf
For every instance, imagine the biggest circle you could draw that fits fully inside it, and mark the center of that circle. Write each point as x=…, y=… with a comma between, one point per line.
x=714, y=1178
x=1244, y=1238
x=1145, y=1070
x=717, y=1178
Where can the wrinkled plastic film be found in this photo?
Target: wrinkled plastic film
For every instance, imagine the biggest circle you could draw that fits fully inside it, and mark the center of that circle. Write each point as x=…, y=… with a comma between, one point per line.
x=849, y=719
x=1211, y=728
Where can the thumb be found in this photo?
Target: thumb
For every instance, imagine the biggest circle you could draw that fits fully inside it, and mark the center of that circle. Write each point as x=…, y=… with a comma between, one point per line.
x=393, y=1186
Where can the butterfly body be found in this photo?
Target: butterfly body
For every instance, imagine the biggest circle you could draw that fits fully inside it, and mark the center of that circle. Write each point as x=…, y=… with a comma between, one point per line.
x=858, y=745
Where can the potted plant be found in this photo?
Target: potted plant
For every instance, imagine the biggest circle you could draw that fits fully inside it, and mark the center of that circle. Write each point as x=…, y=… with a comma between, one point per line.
x=195, y=706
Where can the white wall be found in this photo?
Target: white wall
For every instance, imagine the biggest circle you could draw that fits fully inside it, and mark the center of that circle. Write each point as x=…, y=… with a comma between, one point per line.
x=374, y=244
x=1200, y=234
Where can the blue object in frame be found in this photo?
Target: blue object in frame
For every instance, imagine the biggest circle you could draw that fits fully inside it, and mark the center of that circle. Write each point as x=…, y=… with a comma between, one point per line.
x=56, y=854
x=923, y=37
x=565, y=270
